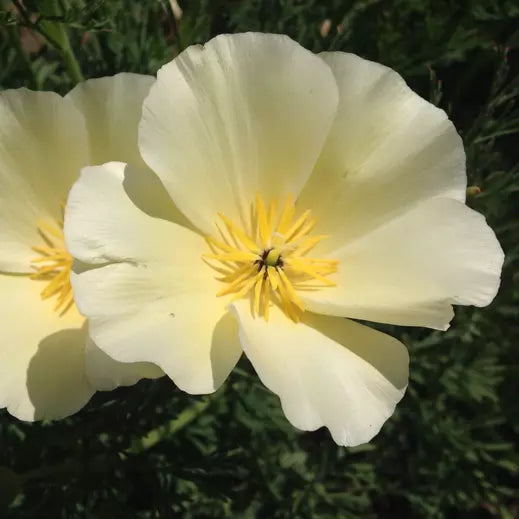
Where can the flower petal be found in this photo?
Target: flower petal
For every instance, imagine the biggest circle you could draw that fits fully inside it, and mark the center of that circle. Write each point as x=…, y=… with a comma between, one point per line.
x=388, y=150
x=42, y=370
x=105, y=373
x=245, y=113
x=410, y=270
x=151, y=313
x=103, y=224
x=112, y=108
x=42, y=148
x=161, y=305
x=327, y=371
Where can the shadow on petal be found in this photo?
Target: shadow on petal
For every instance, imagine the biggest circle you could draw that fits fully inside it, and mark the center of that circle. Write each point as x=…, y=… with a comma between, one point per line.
x=147, y=192
x=391, y=360
x=225, y=348
x=106, y=374
x=56, y=379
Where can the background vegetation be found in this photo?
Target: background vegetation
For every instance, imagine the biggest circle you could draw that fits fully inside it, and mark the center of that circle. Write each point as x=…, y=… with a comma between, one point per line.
x=151, y=451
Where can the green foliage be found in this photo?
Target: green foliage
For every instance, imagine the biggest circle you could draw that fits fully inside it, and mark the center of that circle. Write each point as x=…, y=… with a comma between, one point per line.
x=150, y=451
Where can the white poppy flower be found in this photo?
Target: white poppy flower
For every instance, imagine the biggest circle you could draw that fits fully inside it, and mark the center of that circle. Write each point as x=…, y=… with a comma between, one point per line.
x=315, y=188
x=49, y=368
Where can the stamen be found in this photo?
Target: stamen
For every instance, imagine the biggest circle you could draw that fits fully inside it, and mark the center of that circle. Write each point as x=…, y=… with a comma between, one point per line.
x=257, y=294
x=263, y=224
x=266, y=298
x=54, y=266
x=238, y=233
x=305, y=246
x=290, y=290
x=286, y=215
x=273, y=277
x=269, y=265
x=298, y=223
x=238, y=256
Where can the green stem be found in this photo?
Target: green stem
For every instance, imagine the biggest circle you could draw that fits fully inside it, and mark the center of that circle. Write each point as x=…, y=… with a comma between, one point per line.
x=57, y=35
x=168, y=429
x=72, y=64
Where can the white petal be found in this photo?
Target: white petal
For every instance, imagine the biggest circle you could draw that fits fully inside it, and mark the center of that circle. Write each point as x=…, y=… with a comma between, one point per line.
x=103, y=224
x=327, y=371
x=42, y=148
x=105, y=373
x=42, y=370
x=158, y=303
x=410, y=270
x=388, y=150
x=112, y=108
x=150, y=313
x=246, y=113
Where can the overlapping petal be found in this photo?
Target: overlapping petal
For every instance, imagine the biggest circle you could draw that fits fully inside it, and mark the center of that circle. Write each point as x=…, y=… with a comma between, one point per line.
x=245, y=113
x=44, y=142
x=410, y=270
x=327, y=371
x=112, y=107
x=103, y=224
x=158, y=302
x=43, y=145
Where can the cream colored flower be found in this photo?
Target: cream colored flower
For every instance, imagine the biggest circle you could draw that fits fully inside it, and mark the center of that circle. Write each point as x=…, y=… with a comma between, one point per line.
x=313, y=188
x=49, y=368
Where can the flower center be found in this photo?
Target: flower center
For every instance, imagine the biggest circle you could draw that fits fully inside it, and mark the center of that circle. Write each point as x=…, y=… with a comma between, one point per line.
x=53, y=265
x=270, y=262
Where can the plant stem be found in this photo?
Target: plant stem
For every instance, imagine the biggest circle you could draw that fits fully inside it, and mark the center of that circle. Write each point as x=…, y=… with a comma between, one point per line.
x=173, y=426
x=72, y=64
x=59, y=38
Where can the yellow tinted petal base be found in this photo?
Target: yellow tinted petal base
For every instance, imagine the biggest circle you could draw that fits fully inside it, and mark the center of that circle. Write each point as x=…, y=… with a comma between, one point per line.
x=269, y=262
x=53, y=265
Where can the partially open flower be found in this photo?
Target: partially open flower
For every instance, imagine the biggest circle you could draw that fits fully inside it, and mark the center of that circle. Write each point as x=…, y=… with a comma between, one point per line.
x=49, y=368
x=313, y=188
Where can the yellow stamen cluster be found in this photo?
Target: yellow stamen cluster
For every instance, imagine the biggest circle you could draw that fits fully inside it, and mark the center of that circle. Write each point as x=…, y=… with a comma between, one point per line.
x=54, y=266
x=270, y=262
